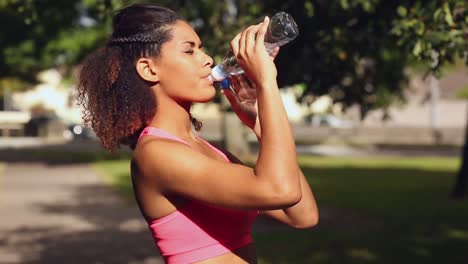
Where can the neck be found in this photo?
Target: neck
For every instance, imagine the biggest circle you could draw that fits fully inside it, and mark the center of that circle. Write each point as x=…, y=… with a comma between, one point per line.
x=173, y=117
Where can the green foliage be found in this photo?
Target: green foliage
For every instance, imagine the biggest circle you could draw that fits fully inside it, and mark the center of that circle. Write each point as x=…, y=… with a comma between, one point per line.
x=353, y=50
x=434, y=31
x=463, y=93
x=37, y=35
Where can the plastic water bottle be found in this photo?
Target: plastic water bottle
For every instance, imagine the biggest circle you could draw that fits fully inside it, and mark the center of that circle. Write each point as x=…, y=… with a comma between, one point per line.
x=281, y=30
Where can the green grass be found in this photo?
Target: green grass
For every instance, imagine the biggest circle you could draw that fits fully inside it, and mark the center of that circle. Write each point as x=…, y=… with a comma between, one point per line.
x=373, y=210
x=117, y=174
x=463, y=93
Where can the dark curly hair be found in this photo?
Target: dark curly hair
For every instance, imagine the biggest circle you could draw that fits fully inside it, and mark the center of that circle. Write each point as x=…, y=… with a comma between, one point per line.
x=117, y=102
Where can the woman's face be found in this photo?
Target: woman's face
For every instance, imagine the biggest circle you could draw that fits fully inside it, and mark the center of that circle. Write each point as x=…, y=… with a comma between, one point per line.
x=183, y=67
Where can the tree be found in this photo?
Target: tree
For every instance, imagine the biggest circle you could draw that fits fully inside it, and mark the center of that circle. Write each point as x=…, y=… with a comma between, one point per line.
x=363, y=46
x=437, y=32
x=355, y=51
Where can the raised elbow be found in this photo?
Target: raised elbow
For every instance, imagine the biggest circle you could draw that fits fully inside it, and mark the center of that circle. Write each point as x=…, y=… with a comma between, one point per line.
x=308, y=220
x=288, y=197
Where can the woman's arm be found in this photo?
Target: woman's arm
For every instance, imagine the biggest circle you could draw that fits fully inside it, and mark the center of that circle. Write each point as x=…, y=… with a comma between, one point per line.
x=250, y=102
x=172, y=168
x=301, y=215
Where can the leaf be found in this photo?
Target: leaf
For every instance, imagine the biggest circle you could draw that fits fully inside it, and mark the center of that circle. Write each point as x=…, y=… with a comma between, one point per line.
x=309, y=7
x=402, y=11
x=448, y=15
x=437, y=14
x=419, y=28
x=417, y=48
x=396, y=31
x=435, y=59
x=344, y=4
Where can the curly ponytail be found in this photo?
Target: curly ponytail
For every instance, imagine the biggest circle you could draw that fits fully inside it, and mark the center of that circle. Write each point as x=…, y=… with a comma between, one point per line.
x=117, y=102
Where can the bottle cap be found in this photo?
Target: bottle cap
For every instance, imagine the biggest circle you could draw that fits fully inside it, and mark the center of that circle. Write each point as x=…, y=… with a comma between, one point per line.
x=217, y=74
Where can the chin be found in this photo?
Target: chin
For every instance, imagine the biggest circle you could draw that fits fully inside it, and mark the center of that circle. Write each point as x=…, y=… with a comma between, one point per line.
x=207, y=95
x=205, y=99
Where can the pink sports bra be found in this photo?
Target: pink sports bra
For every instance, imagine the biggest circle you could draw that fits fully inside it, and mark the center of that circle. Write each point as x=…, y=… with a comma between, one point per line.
x=199, y=231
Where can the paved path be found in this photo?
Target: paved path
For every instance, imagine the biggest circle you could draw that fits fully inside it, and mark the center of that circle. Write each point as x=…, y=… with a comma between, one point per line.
x=64, y=214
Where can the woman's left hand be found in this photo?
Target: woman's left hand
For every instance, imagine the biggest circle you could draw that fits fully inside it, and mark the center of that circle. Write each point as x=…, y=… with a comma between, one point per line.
x=242, y=95
x=243, y=99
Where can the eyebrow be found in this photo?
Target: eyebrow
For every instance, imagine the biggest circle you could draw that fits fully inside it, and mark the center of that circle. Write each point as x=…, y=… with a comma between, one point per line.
x=192, y=44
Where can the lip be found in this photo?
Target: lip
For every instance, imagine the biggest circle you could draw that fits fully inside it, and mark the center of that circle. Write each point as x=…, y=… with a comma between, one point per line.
x=208, y=79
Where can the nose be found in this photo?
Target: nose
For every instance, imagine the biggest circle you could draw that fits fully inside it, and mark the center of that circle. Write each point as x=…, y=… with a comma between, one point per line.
x=208, y=61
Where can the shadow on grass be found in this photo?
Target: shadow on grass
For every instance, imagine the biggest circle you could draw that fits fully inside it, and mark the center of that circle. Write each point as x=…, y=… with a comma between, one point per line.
x=375, y=215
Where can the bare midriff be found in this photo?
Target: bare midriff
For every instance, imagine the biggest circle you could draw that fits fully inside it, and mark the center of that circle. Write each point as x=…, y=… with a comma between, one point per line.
x=243, y=255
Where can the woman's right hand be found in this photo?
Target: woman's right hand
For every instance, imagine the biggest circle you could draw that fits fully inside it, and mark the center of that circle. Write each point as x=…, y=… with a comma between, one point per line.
x=249, y=49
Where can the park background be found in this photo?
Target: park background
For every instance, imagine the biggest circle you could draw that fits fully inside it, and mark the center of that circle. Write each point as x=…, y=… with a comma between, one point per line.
x=375, y=91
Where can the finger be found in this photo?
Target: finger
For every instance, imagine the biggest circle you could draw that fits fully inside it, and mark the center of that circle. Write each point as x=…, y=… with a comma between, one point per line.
x=251, y=94
x=250, y=35
x=242, y=40
x=232, y=98
x=235, y=44
x=244, y=82
x=235, y=84
x=260, y=43
x=274, y=53
x=248, y=82
x=247, y=95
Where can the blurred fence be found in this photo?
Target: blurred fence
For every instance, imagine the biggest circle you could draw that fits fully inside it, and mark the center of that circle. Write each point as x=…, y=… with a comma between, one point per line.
x=306, y=134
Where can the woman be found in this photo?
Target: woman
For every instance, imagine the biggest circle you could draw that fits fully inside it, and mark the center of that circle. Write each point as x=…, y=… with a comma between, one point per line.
x=199, y=202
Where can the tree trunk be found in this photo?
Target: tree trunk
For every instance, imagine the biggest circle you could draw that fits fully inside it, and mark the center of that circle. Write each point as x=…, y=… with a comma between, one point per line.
x=233, y=132
x=235, y=136
x=459, y=192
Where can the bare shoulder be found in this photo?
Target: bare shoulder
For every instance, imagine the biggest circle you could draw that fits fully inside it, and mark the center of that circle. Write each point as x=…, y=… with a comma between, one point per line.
x=158, y=155
x=168, y=162
x=178, y=169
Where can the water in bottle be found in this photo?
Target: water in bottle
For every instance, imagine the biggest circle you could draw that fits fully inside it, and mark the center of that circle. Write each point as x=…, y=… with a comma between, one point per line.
x=281, y=30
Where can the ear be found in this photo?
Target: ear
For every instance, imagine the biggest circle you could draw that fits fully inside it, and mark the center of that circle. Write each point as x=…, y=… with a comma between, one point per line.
x=147, y=69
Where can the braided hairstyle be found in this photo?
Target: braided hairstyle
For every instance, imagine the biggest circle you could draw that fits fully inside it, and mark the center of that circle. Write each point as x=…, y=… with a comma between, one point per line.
x=117, y=102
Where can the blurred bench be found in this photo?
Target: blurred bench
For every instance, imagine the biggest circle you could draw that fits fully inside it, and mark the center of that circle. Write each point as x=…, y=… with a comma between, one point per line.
x=13, y=122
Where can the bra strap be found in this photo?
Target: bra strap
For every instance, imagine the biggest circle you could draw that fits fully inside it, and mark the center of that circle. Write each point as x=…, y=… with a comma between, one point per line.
x=153, y=131
x=215, y=149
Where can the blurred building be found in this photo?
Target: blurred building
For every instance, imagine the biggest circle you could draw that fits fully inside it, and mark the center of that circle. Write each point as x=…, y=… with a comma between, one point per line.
x=50, y=110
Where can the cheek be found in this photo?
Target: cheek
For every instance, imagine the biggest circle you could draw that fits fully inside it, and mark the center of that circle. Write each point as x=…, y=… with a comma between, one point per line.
x=182, y=80
x=185, y=87
x=177, y=78
x=182, y=83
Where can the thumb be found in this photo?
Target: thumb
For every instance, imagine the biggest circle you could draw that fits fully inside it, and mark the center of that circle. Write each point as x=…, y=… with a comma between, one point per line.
x=232, y=98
